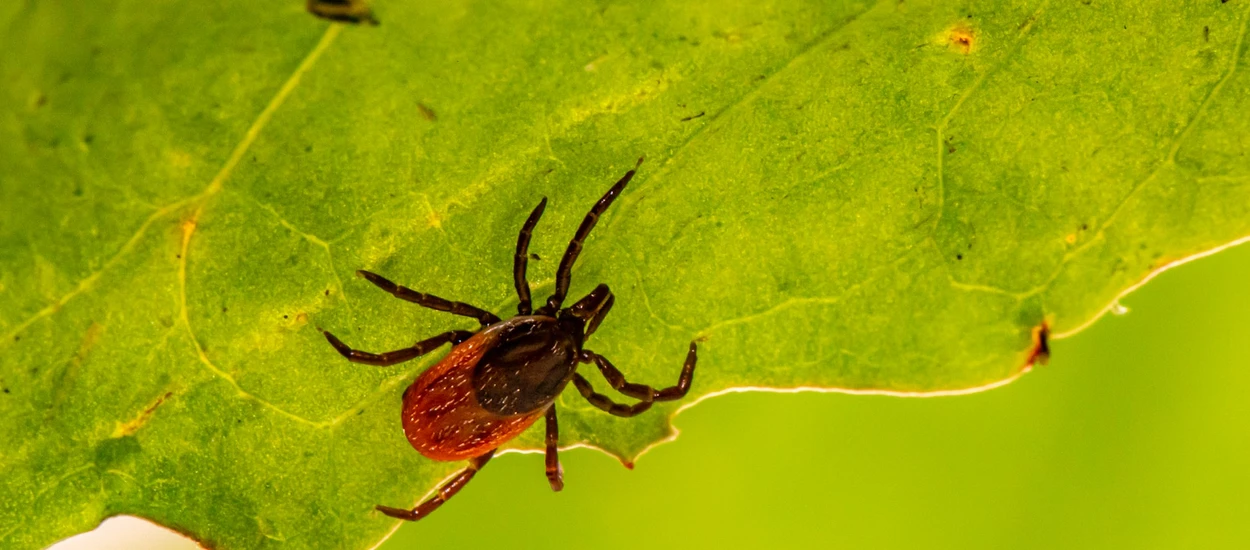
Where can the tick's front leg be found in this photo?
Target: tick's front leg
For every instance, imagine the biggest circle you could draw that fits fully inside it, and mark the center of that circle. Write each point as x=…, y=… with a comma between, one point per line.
x=429, y=300
x=398, y=356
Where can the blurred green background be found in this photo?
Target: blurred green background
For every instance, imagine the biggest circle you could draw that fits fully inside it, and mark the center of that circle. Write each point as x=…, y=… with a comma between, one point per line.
x=1135, y=436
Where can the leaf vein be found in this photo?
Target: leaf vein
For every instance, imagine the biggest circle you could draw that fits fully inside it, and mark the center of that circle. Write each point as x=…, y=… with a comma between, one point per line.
x=188, y=229
x=745, y=98
x=88, y=282
x=963, y=97
x=315, y=240
x=1177, y=141
x=803, y=301
x=213, y=187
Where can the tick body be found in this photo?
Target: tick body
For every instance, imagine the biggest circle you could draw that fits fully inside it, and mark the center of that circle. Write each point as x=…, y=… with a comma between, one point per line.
x=498, y=381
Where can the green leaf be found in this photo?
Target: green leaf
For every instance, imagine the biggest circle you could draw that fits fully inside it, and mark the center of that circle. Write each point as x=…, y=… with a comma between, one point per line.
x=838, y=195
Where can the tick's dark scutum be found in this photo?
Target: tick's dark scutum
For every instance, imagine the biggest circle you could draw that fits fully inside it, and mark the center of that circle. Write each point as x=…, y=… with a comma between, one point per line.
x=527, y=368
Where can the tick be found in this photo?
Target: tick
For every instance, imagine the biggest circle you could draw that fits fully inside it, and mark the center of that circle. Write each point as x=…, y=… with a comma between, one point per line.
x=498, y=381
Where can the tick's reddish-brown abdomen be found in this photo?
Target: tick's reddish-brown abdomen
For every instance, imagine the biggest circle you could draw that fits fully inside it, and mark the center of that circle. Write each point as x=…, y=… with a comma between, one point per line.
x=442, y=417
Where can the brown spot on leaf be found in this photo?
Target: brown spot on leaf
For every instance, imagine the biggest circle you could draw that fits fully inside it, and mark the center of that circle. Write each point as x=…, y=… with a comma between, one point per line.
x=427, y=112
x=187, y=227
x=126, y=428
x=1041, y=346
x=65, y=382
x=88, y=341
x=962, y=38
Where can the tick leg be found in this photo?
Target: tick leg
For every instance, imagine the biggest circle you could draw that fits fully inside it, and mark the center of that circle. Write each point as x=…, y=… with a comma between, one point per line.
x=604, y=402
x=642, y=391
x=575, y=246
x=429, y=300
x=398, y=356
x=522, y=258
x=555, y=474
x=445, y=492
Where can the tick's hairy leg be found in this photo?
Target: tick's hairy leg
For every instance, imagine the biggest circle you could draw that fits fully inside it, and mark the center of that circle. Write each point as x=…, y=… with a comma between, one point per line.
x=398, y=356
x=521, y=260
x=555, y=474
x=563, y=273
x=604, y=402
x=429, y=300
x=643, y=391
x=445, y=492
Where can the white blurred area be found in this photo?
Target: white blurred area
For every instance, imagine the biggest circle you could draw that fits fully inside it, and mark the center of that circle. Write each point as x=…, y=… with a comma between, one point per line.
x=127, y=533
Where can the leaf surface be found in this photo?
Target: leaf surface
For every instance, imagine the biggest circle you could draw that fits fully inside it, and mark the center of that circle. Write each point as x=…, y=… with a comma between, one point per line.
x=843, y=195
